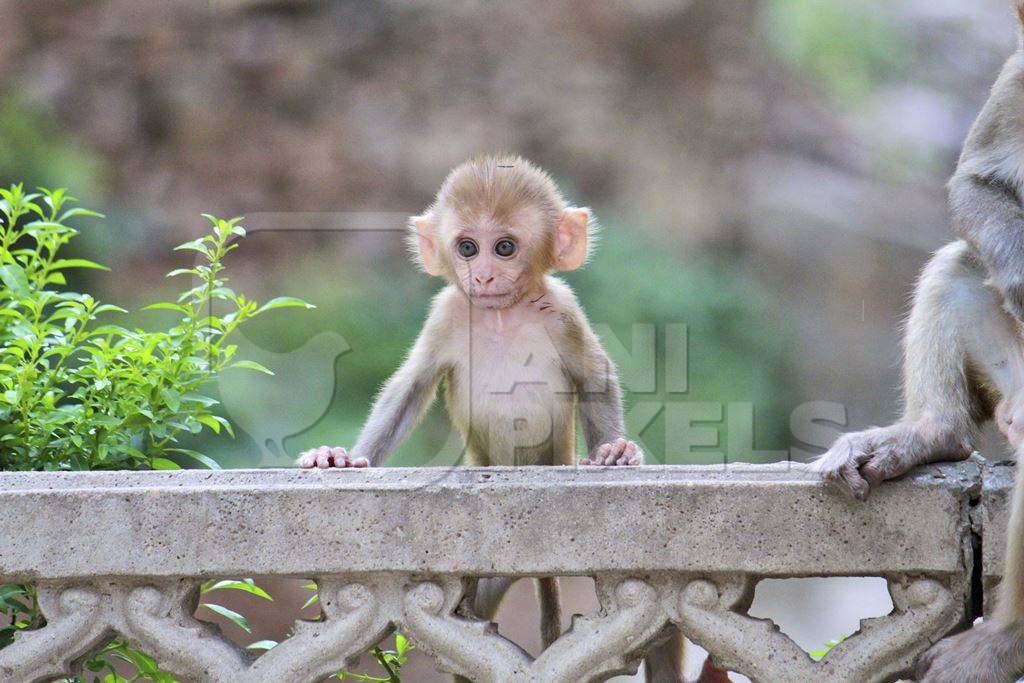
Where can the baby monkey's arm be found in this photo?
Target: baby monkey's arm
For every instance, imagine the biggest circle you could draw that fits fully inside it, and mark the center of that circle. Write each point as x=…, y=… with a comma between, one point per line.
x=398, y=408
x=600, y=399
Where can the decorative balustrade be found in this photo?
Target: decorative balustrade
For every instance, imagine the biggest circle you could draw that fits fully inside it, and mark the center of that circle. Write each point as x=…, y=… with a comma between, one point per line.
x=396, y=548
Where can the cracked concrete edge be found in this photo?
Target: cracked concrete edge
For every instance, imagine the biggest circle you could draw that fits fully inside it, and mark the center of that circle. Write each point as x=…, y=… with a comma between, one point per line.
x=768, y=520
x=991, y=519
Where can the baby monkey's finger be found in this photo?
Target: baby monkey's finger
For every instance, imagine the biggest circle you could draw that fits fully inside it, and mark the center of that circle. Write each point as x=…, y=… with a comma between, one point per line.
x=339, y=457
x=628, y=454
x=615, y=451
x=307, y=459
x=323, y=457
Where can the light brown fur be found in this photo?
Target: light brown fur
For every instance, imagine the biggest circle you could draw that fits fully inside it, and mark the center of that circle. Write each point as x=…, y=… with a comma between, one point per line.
x=511, y=345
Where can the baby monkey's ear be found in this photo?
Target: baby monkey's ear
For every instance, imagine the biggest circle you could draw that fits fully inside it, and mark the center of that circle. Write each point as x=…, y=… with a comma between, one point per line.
x=571, y=239
x=423, y=242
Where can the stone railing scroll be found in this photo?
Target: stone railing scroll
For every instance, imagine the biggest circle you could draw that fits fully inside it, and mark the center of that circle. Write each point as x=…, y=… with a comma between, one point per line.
x=666, y=545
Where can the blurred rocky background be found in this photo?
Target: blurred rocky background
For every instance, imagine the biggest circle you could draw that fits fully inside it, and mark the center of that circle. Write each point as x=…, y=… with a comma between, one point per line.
x=768, y=172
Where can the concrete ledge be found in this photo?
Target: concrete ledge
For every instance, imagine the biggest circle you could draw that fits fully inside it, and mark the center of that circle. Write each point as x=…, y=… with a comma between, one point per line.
x=766, y=520
x=991, y=520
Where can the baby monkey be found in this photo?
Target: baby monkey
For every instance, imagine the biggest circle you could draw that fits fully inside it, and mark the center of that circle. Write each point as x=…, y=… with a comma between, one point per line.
x=512, y=347
x=509, y=341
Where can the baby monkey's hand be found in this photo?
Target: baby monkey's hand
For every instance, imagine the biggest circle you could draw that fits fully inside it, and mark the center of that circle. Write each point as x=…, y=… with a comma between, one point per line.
x=326, y=456
x=619, y=452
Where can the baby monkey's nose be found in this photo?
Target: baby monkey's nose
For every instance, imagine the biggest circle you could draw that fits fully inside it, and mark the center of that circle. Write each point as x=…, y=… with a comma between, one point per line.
x=483, y=280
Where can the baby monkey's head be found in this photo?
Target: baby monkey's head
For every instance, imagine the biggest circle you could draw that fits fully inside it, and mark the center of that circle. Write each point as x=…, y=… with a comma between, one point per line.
x=497, y=226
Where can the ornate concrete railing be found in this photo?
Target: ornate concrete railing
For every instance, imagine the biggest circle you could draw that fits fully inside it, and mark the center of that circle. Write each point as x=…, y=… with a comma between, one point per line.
x=394, y=547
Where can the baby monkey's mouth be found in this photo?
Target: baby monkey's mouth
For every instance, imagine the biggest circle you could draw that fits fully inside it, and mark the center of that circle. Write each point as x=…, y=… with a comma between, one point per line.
x=486, y=297
x=494, y=299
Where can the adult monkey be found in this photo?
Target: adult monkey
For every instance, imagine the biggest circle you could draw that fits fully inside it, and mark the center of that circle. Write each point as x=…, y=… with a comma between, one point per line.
x=964, y=364
x=513, y=348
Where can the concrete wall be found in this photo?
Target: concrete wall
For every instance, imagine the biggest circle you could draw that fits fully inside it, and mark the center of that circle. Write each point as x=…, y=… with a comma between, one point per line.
x=396, y=547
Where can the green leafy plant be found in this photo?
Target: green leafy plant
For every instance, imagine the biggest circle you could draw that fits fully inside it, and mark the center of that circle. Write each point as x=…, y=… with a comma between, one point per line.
x=19, y=607
x=78, y=392
x=391, y=661
x=75, y=394
x=102, y=663
x=18, y=603
x=818, y=655
x=245, y=585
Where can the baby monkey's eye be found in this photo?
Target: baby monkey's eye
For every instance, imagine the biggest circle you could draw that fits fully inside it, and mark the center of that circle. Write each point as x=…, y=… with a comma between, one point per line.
x=467, y=248
x=505, y=247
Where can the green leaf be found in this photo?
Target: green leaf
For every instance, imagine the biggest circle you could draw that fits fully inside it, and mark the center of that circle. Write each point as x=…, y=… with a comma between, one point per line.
x=247, y=586
x=143, y=662
x=202, y=400
x=195, y=245
x=14, y=279
x=261, y=645
x=250, y=365
x=77, y=263
x=182, y=271
x=402, y=645
x=199, y=457
x=44, y=226
x=233, y=616
x=817, y=655
x=109, y=329
x=164, y=464
x=12, y=589
x=215, y=422
x=9, y=594
x=210, y=422
x=165, y=306
x=172, y=398
x=79, y=212
x=283, y=302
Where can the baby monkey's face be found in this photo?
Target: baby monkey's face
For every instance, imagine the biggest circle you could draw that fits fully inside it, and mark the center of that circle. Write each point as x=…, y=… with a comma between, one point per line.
x=497, y=262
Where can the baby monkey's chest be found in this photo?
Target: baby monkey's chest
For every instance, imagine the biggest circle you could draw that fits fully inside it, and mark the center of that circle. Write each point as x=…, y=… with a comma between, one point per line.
x=524, y=366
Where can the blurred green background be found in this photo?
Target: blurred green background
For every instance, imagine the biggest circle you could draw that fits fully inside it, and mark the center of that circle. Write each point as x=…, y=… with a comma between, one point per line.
x=767, y=172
